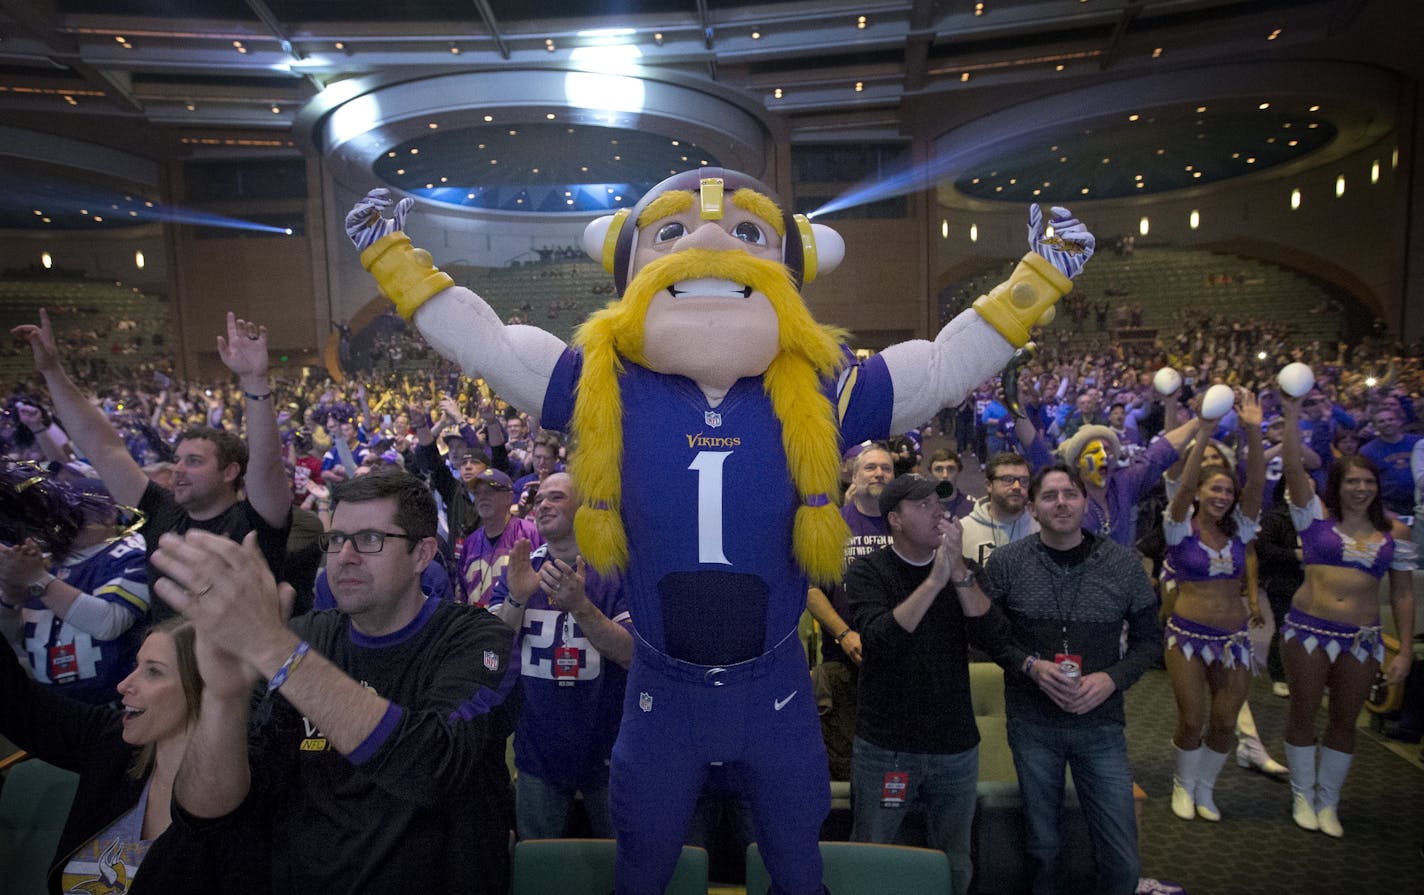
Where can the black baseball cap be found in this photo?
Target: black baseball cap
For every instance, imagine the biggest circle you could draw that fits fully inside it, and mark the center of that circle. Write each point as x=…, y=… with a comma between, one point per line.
x=912, y=486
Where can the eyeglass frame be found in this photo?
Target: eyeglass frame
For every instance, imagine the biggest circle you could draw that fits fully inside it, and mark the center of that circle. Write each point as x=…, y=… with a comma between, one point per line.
x=1023, y=481
x=324, y=540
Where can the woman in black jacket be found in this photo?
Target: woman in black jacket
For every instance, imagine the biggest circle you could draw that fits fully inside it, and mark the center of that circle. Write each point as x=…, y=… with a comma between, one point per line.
x=126, y=759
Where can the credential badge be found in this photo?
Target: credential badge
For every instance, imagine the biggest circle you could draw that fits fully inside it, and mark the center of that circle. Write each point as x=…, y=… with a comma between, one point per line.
x=712, y=418
x=645, y=701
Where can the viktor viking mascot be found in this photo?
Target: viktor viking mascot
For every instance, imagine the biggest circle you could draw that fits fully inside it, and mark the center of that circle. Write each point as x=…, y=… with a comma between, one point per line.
x=708, y=410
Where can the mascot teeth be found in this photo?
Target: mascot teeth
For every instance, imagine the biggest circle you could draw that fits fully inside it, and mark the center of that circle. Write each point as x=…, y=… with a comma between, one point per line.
x=709, y=287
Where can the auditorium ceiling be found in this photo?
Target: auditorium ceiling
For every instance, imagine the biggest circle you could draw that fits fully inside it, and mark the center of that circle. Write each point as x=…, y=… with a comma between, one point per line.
x=473, y=103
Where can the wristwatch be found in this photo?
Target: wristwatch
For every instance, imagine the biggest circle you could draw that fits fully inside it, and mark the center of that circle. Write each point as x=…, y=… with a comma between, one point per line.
x=37, y=589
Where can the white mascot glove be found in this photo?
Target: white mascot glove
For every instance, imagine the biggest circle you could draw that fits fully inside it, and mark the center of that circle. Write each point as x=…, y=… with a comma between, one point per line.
x=1070, y=246
x=365, y=224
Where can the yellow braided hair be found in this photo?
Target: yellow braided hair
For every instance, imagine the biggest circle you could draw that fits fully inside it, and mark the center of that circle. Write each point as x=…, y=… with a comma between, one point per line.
x=809, y=353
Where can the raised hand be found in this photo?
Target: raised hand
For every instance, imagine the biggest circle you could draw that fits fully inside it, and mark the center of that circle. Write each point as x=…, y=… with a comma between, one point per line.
x=1248, y=409
x=1070, y=246
x=365, y=223
x=41, y=339
x=245, y=348
x=522, y=578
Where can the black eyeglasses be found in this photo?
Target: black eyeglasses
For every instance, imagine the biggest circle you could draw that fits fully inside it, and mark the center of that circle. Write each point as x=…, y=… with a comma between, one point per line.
x=368, y=540
x=1013, y=479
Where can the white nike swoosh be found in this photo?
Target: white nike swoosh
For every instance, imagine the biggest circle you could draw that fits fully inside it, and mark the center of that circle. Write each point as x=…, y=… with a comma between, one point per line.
x=780, y=704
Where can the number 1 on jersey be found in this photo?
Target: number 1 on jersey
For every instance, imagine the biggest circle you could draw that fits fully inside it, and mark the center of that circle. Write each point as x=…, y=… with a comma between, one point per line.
x=709, y=505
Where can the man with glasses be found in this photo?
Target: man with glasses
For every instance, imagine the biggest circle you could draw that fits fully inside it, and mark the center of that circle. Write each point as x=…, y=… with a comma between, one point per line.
x=1066, y=593
x=376, y=760
x=1001, y=517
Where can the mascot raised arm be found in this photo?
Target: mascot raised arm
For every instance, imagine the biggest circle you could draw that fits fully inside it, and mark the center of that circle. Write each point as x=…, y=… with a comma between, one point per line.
x=708, y=410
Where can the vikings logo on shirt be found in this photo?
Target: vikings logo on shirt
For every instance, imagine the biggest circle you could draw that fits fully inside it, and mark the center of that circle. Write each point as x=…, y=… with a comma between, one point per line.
x=113, y=873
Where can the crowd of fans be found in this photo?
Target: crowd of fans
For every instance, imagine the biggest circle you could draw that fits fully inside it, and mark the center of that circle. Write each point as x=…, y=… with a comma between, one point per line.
x=493, y=472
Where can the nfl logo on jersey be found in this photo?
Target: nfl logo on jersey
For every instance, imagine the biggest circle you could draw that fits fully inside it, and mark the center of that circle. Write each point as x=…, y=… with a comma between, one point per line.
x=645, y=701
x=491, y=660
x=712, y=418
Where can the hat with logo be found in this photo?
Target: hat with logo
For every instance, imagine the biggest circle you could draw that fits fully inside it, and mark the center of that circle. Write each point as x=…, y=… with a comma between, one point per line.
x=495, y=479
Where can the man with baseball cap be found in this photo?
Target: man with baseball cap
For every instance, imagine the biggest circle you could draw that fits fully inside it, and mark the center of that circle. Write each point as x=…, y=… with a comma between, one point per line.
x=486, y=549
x=916, y=604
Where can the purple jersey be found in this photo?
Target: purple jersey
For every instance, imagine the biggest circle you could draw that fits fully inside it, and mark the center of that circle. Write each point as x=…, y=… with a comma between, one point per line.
x=708, y=505
x=570, y=714
x=482, y=560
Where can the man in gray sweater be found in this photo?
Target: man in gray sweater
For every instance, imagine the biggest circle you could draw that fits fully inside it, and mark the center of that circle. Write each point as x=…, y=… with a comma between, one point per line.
x=1067, y=593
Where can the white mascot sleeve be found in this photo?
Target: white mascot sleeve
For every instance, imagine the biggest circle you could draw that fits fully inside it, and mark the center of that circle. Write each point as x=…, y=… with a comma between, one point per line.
x=932, y=375
x=517, y=361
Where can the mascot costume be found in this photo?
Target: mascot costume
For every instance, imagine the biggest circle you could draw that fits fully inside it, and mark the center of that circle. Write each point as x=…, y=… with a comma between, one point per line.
x=708, y=411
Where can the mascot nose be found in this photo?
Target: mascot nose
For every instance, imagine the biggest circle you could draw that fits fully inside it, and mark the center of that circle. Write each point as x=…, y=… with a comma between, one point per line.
x=710, y=236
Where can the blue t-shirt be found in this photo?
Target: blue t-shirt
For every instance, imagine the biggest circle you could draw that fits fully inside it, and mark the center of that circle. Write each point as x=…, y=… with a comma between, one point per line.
x=708, y=504
x=1396, y=478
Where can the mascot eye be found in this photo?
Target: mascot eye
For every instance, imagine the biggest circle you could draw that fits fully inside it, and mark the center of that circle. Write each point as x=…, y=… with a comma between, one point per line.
x=746, y=231
x=670, y=231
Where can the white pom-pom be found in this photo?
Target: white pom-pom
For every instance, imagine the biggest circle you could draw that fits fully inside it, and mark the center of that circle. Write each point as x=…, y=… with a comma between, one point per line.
x=1167, y=381
x=1217, y=401
x=1296, y=379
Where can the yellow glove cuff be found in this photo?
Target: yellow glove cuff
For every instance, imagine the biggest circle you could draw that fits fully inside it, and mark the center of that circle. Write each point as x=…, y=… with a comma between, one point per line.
x=406, y=275
x=1022, y=300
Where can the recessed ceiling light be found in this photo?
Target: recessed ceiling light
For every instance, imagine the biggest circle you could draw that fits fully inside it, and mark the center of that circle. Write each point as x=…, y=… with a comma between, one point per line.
x=489, y=118
x=979, y=9
x=1062, y=159
x=1058, y=67
x=433, y=125
x=1201, y=109
x=1156, y=52
x=276, y=110
x=1251, y=160
x=550, y=116
x=1315, y=108
x=859, y=86
x=1133, y=117
x=756, y=35
x=454, y=50
x=1264, y=106
x=414, y=150
x=1274, y=34
x=444, y=179
x=963, y=76
x=121, y=39
x=400, y=171
x=339, y=45
x=860, y=22
x=1196, y=174
x=1083, y=191
x=430, y=186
